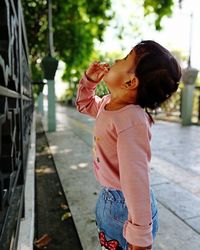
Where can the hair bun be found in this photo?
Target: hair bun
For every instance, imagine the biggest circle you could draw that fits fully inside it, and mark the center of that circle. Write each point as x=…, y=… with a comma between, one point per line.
x=158, y=73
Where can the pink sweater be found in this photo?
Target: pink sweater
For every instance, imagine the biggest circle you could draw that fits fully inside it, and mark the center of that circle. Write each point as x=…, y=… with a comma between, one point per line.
x=121, y=157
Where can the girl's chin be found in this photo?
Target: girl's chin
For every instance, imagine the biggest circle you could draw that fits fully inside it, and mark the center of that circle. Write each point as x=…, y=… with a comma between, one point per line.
x=105, y=77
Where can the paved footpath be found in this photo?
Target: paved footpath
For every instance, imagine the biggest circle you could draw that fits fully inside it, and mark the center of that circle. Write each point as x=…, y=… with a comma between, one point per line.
x=175, y=169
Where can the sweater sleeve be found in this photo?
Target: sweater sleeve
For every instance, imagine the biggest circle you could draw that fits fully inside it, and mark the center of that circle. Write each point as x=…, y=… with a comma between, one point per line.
x=86, y=101
x=134, y=155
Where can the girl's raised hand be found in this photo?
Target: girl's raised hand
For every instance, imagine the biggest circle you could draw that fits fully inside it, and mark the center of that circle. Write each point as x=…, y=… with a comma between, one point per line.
x=96, y=71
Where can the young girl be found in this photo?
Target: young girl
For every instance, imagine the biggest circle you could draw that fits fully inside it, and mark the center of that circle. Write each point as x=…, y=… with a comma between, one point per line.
x=126, y=211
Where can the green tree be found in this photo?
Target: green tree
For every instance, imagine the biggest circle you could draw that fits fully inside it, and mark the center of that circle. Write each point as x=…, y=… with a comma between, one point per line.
x=77, y=24
x=160, y=8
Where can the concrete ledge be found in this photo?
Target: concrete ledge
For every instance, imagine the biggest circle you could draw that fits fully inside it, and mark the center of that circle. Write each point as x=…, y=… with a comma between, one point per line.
x=26, y=232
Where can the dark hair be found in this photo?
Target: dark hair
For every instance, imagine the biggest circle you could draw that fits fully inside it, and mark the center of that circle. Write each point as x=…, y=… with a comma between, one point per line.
x=158, y=73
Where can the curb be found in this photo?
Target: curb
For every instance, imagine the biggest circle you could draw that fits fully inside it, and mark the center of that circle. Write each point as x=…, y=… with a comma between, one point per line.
x=26, y=231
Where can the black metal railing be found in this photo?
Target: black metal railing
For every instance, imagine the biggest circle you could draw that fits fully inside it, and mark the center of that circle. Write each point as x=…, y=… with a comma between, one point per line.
x=16, y=108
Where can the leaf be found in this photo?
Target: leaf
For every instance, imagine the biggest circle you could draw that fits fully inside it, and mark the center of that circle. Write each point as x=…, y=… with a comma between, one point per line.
x=43, y=241
x=66, y=216
x=64, y=206
x=60, y=193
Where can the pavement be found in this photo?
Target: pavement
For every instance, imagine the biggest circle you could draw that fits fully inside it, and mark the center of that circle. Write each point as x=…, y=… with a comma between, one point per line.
x=175, y=178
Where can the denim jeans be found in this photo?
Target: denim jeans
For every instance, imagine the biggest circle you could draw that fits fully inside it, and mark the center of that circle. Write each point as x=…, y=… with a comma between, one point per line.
x=111, y=213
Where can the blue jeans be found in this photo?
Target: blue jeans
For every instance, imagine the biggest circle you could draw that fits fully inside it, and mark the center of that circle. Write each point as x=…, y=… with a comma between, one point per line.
x=111, y=213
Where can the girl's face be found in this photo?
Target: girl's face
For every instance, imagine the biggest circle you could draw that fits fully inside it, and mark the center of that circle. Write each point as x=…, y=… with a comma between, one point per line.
x=120, y=71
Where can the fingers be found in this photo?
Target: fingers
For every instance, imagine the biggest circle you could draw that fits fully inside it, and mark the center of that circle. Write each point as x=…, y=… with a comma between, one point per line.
x=100, y=66
x=97, y=67
x=97, y=70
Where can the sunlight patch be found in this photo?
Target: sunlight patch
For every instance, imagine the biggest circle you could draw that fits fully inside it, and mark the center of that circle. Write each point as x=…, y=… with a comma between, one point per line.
x=74, y=167
x=83, y=165
x=44, y=170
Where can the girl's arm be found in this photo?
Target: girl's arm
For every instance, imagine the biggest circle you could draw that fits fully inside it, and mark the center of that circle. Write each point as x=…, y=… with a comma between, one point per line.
x=134, y=155
x=87, y=102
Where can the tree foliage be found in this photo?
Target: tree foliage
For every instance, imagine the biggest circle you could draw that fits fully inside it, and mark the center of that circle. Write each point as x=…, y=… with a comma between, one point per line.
x=76, y=26
x=160, y=8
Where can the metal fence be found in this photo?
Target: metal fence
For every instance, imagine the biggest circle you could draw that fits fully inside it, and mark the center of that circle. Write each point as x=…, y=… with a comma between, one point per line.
x=16, y=108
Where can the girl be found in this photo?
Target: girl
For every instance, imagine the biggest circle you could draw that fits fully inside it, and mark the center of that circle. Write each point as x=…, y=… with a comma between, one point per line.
x=126, y=211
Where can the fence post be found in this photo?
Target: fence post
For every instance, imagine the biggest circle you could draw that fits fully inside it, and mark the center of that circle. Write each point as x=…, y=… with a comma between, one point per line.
x=189, y=78
x=49, y=65
x=40, y=103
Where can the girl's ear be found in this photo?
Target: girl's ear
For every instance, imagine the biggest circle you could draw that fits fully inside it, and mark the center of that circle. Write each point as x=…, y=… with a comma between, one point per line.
x=132, y=83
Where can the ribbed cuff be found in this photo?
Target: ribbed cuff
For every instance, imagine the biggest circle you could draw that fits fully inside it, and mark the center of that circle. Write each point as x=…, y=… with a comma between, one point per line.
x=138, y=235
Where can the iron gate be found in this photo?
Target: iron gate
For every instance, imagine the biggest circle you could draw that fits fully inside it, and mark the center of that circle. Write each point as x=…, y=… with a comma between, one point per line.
x=16, y=108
